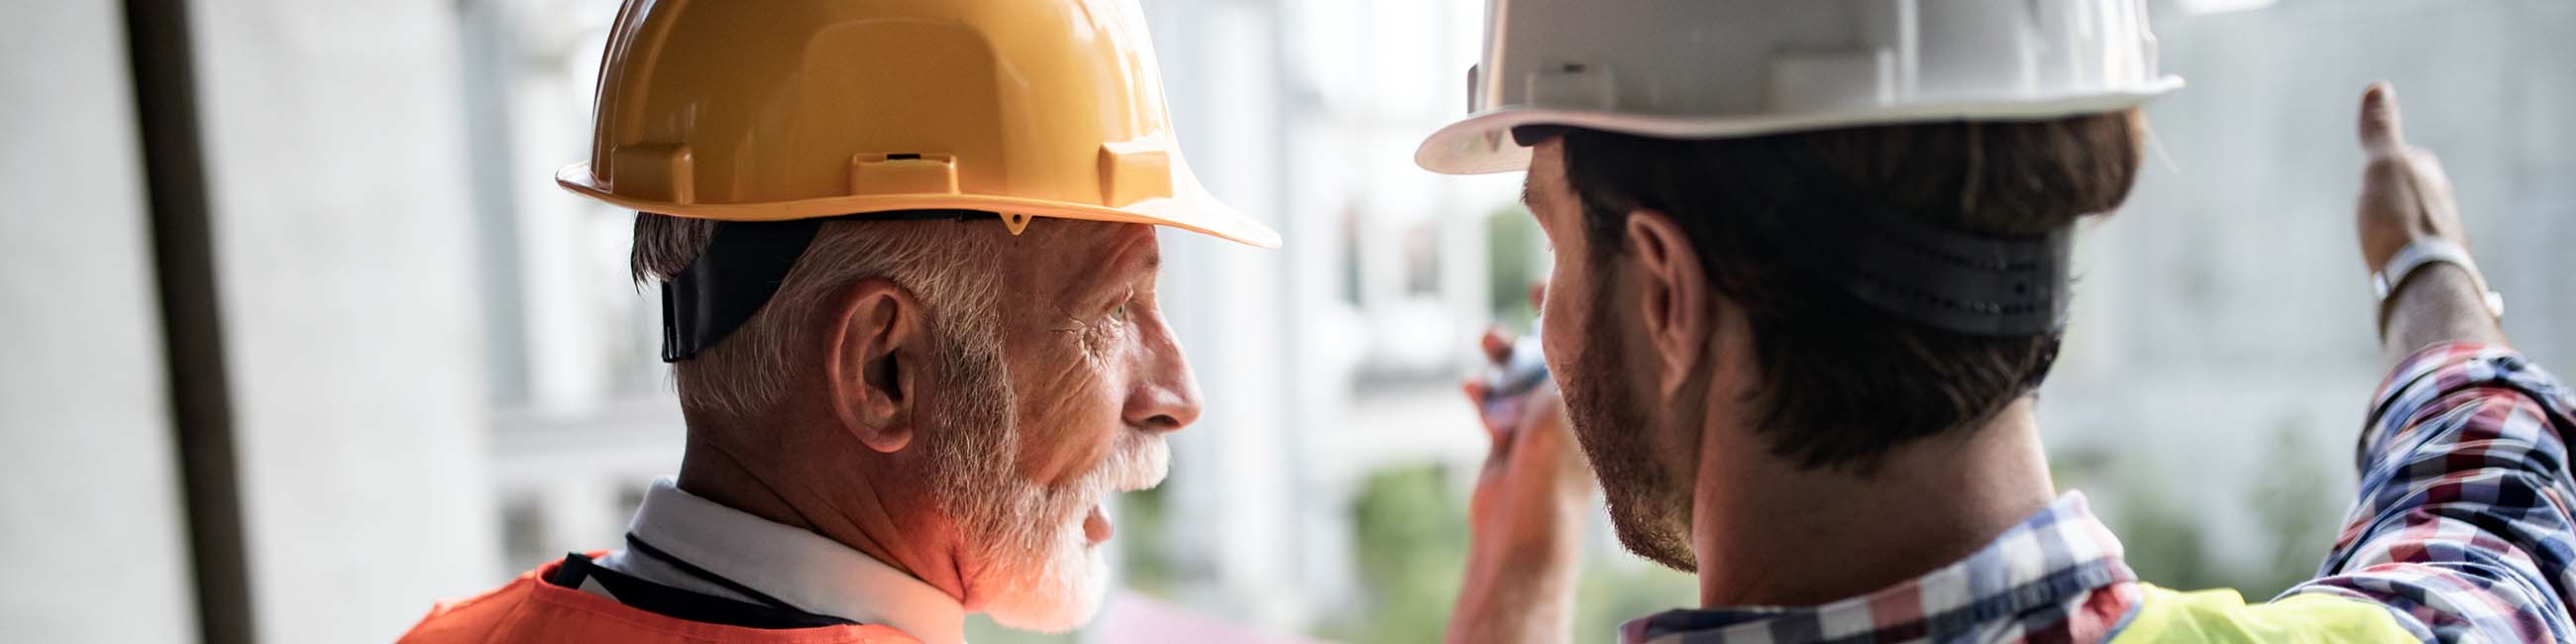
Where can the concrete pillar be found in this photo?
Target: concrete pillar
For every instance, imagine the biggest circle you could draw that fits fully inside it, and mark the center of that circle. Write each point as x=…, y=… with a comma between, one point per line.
x=343, y=233
x=92, y=531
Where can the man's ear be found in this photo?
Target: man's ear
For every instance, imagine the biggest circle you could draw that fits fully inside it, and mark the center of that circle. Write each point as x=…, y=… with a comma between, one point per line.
x=1673, y=295
x=873, y=362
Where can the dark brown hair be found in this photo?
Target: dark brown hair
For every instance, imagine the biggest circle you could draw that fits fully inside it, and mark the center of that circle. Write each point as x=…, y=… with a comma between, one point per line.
x=1843, y=383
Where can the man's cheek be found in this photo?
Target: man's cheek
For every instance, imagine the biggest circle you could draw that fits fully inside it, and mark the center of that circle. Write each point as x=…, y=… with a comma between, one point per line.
x=1561, y=324
x=1078, y=433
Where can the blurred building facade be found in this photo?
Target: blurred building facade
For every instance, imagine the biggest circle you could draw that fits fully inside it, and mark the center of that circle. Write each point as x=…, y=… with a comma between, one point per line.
x=243, y=397
x=435, y=372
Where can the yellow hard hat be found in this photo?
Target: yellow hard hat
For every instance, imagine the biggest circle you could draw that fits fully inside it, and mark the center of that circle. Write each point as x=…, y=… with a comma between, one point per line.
x=775, y=110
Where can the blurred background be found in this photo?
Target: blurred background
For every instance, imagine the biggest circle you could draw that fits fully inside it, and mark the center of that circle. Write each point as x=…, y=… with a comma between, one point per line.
x=303, y=336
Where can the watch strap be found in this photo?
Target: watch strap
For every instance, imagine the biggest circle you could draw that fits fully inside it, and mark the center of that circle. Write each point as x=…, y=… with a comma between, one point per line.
x=2424, y=252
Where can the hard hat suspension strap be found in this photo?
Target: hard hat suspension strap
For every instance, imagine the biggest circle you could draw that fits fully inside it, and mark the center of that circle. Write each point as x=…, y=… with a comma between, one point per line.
x=1891, y=260
x=741, y=269
x=1898, y=263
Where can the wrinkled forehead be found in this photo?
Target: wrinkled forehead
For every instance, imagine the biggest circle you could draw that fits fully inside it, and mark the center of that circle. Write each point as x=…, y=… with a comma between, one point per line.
x=1072, y=260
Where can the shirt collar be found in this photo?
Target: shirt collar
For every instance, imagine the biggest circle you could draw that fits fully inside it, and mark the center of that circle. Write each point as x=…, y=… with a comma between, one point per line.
x=807, y=570
x=2056, y=556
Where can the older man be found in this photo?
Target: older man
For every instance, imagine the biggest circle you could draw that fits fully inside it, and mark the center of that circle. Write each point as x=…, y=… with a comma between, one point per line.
x=908, y=266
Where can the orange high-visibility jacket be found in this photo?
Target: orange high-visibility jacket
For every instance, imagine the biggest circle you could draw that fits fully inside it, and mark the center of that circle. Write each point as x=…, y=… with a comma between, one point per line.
x=531, y=610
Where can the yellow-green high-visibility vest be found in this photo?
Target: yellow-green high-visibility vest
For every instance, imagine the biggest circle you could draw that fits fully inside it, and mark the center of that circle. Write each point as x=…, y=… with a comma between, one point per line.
x=2222, y=616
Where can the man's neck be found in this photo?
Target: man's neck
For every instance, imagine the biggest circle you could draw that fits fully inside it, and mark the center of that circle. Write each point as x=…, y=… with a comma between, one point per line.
x=1766, y=533
x=858, y=519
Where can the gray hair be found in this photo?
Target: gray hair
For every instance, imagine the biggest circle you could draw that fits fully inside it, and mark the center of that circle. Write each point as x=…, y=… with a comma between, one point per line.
x=751, y=369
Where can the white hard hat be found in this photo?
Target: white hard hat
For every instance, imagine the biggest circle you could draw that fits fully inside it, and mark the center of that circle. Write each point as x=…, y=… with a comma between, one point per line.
x=1688, y=69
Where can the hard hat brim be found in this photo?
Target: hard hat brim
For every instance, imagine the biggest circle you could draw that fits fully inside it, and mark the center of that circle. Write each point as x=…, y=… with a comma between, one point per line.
x=1191, y=208
x=1481, y=143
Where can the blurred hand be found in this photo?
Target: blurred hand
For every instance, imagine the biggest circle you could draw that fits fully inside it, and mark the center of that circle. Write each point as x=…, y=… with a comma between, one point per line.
x=2404, y=194
x=1525, y=519
x=1534, y=477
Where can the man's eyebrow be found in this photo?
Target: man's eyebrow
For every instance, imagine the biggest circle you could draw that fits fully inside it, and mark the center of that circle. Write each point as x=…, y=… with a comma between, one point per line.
x=1116, y=268
x=1526, y=201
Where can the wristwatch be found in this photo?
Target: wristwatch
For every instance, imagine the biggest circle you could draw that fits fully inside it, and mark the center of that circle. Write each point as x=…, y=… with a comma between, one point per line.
x=2422, y=252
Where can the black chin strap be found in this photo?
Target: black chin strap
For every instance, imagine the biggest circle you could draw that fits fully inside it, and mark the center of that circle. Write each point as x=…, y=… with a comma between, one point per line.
x=741, y=269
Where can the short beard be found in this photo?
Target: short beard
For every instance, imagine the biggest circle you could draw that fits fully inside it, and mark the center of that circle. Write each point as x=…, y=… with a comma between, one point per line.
x=1650, y=510
x=1023, y=556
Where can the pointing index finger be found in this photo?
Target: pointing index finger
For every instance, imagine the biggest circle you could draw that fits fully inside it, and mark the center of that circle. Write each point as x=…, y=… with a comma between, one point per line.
x=2381, y=132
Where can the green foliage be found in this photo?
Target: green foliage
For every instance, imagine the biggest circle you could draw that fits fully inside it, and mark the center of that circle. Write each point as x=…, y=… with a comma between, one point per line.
x=1411, y=542
x=2167, y=543
x=1411, y=533
x=2164, y=543
x=1612, y=592
x=1146, y=564
x=2292, y=504
x=1517, y=260
x=982, y=630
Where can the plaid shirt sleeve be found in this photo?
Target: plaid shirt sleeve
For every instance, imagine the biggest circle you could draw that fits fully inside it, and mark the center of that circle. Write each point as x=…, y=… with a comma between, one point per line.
x=2463, y=524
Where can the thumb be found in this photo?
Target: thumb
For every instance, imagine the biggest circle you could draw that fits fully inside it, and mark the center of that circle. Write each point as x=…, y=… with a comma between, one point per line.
x=2381, y=133
x=1496, y=345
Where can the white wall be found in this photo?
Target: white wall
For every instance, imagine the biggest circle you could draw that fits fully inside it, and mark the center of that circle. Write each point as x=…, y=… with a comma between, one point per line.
x=92, y=534
x=344, y=245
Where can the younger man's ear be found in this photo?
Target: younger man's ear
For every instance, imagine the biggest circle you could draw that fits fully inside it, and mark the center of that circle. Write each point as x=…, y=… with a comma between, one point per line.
x=1673, y=295
x=872, y=362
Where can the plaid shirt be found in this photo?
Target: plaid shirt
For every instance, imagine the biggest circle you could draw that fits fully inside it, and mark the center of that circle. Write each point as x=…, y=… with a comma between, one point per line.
x=2462, y=530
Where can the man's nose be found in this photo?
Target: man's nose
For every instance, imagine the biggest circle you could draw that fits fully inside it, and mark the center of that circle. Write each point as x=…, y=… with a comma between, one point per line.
x=1166, y=395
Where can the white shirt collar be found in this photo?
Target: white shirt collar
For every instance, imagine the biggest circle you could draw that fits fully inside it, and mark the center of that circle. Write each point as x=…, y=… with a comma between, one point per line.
x=807, y=570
